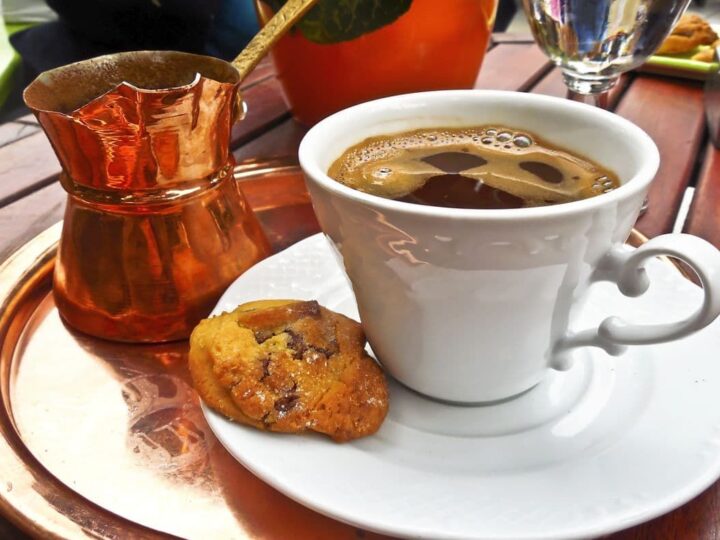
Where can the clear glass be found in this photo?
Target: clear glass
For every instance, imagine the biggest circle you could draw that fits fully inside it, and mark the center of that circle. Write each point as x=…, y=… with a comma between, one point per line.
x=595, y=41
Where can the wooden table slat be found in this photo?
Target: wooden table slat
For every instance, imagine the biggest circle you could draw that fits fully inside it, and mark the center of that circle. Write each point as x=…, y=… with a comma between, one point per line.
x=266, y=107
x=509, y=38
x=26, y=165
x=512, y=67
x=16, y=130
x=281, y=141
x=704, y=215
x=28, y=118
x=671, y=112
x=26, y=218
x=263, y=70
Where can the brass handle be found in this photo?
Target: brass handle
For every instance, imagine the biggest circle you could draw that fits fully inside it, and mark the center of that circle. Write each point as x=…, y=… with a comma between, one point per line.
x=276, y=27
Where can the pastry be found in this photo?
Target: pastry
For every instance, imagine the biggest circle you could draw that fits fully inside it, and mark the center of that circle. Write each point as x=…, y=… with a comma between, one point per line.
x=690, y=31
x=289, y=366
x=707, y=54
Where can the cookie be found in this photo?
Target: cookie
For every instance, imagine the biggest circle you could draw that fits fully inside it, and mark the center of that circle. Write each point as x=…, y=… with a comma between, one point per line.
x=690, y=31
x=289, y=366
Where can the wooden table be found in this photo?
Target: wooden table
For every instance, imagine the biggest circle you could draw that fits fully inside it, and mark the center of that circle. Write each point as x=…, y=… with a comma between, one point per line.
x=670, y=110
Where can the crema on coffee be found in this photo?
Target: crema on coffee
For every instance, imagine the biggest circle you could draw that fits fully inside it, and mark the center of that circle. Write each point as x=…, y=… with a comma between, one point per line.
x=471, y=167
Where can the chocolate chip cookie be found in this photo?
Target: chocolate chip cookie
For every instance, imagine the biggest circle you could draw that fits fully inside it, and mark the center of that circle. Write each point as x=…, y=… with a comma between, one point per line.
x=289, y=366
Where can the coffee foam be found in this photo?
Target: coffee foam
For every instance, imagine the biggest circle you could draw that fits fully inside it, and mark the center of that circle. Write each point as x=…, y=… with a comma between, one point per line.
x=516, y=162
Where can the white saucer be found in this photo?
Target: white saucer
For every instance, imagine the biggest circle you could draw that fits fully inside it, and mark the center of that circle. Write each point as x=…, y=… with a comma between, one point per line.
x=608, y=444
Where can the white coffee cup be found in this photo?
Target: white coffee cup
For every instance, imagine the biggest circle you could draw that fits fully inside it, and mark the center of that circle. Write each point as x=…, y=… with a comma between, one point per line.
x=475, y=305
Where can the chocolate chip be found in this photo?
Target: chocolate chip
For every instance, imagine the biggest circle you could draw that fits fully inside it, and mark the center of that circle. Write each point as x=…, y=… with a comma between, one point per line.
x=265, y=368
x=261, y=336
x=284, y=404
x=296, y=343
x=331, y=347
x=300, y=310
x=312, y=352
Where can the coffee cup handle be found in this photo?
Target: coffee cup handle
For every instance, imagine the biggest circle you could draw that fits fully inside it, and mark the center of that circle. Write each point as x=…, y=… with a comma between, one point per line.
x=626, y=268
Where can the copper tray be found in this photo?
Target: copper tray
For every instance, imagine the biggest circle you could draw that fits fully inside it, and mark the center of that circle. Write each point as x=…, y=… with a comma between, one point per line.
x=106, y=440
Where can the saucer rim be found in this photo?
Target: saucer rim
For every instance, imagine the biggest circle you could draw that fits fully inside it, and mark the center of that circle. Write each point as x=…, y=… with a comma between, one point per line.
x=610, y=526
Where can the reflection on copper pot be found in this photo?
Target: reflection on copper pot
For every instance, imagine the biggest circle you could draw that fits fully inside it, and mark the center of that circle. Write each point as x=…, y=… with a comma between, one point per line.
x=155, y=227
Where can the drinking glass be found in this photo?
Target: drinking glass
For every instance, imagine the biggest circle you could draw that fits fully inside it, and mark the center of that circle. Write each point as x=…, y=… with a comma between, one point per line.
x=594, y=42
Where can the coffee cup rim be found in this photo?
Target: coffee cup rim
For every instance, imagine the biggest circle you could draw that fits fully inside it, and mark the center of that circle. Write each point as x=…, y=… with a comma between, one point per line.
x=343, y=119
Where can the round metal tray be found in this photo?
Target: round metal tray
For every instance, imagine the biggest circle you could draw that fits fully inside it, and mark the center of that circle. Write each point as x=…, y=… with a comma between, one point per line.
x=106, y=440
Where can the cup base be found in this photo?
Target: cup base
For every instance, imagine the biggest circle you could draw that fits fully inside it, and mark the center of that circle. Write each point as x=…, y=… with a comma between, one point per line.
x=556, y=394
x=454, y=403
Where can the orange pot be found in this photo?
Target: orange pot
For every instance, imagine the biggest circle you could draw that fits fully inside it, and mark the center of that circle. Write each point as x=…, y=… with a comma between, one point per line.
x=434, y=45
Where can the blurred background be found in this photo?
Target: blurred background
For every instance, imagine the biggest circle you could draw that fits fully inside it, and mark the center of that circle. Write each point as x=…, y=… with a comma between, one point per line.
x=37, y=35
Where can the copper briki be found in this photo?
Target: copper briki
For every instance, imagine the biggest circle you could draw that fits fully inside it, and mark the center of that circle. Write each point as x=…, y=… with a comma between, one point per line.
x=154, y=228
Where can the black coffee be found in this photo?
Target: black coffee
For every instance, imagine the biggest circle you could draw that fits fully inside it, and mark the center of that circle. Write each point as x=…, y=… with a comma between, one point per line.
x=478, y=167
